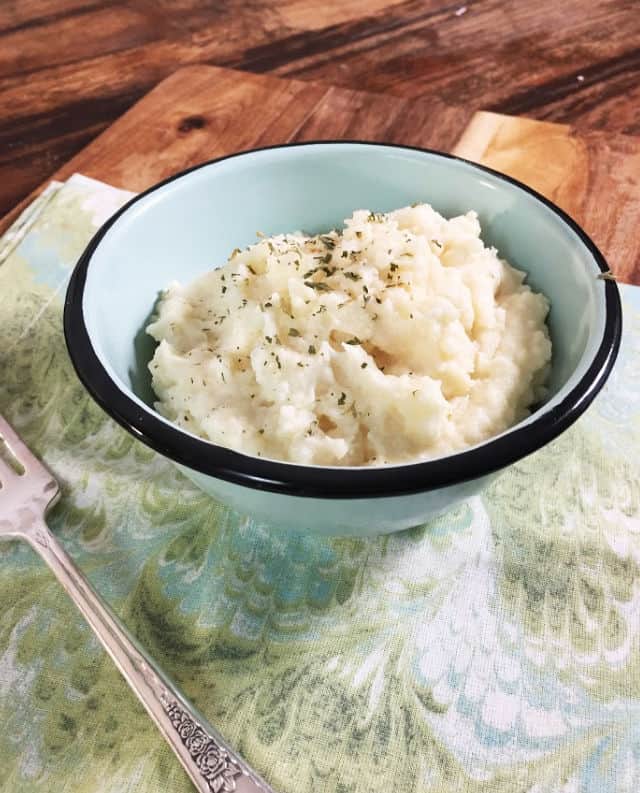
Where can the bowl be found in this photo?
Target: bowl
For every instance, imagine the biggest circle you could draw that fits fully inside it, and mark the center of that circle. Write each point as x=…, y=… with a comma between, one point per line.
x=192, y=221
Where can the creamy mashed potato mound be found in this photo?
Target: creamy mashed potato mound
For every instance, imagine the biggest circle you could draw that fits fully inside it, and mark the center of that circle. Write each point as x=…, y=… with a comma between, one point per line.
x=401, y=338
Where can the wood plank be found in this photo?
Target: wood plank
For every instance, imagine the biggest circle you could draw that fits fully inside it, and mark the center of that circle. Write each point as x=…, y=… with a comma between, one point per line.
x=69, y=68
x=48, y=118
x=21, y=15
x=203, y=112
x=559, y=61
x=547, y=157
x=594, y=176
x=60, y=37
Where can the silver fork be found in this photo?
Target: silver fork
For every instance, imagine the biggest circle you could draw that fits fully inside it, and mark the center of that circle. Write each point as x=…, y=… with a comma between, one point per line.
x=27, y=491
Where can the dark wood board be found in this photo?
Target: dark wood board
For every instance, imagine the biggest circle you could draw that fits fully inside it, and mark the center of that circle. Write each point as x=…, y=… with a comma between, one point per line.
x=202, y=112
x=69, y=68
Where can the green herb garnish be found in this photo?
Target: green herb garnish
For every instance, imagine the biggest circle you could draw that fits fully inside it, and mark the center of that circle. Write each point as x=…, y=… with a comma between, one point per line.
x=320, y=286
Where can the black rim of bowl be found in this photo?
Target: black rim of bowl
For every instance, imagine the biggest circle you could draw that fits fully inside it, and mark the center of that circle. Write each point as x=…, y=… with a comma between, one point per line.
x=335, y=482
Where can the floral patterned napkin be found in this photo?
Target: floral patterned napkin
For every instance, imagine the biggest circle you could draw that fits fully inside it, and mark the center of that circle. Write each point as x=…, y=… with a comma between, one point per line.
x=494, y=649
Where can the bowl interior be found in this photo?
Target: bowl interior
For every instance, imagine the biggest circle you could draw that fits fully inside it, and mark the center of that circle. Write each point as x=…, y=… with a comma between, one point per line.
x=192, y=223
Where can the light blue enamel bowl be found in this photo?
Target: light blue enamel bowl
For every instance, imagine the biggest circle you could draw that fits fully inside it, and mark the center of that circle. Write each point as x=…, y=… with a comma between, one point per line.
x=189, y=223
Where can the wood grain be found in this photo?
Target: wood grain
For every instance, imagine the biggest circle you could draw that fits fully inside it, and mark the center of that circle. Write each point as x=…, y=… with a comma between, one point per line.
x=562, y=61
x=594, y=176
x=68, y=68
x=202, y=112
x=547, y=157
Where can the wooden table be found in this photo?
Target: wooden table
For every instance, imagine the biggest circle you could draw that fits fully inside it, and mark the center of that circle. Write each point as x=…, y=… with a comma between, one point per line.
x=68, y=68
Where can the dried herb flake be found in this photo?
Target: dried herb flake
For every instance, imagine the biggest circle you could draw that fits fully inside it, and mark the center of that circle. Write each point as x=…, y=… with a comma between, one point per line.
x=319, y=287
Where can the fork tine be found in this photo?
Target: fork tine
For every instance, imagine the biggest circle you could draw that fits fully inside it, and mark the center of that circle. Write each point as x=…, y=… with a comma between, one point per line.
x=7, y=472
x=34, y=484
x=21, y=452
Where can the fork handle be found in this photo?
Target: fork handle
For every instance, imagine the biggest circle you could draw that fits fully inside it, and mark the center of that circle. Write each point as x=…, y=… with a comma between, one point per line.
x=210, y=763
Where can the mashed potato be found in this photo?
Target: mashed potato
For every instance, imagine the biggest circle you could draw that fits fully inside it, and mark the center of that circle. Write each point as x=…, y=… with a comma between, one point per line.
x=401, y=338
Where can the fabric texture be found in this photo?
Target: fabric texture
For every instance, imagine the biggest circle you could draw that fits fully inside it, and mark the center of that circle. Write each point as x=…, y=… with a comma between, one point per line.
x=494, y=649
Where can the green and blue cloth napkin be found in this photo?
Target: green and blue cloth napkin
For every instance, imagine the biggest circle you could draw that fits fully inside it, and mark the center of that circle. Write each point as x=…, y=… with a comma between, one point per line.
x=494, y=649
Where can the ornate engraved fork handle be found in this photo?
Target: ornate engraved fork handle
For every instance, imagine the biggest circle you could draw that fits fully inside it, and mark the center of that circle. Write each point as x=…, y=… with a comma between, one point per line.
x=209, y=761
